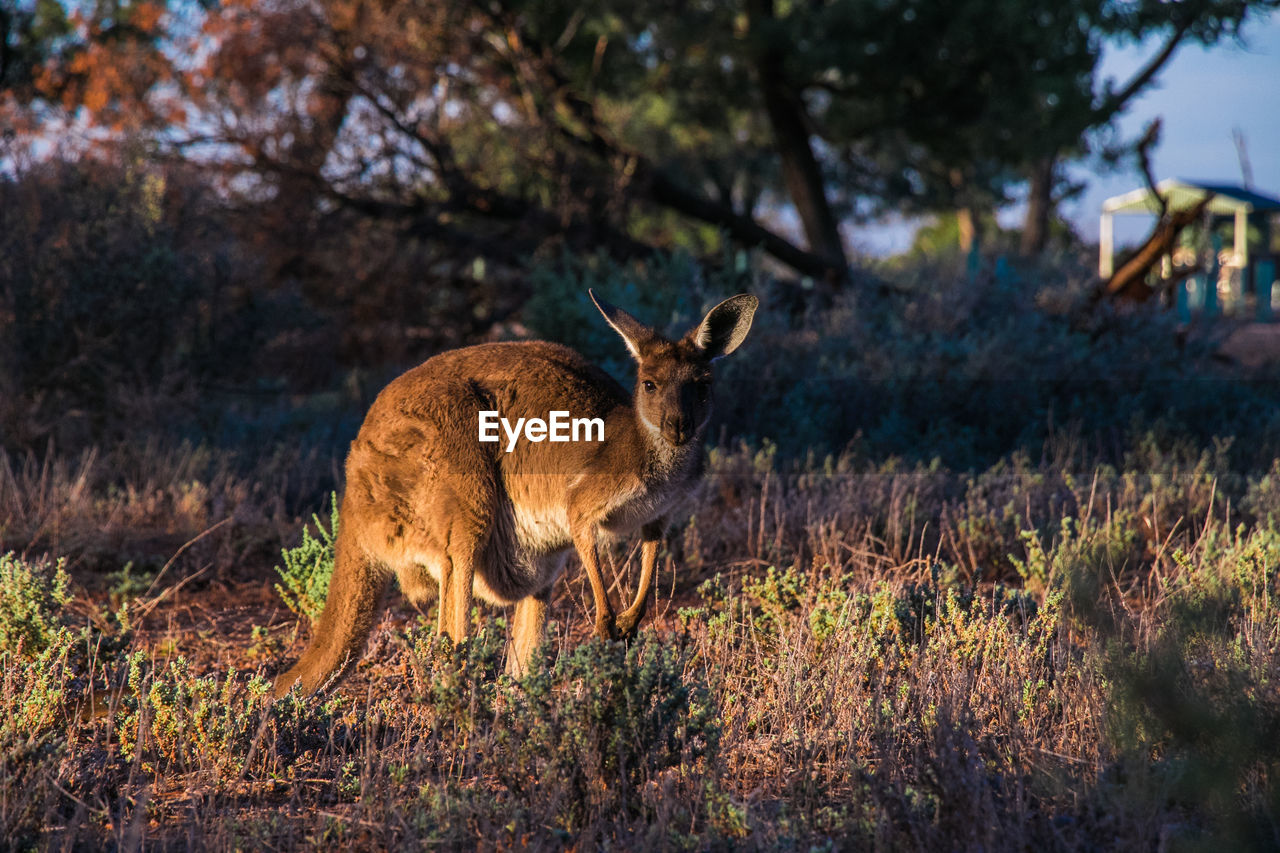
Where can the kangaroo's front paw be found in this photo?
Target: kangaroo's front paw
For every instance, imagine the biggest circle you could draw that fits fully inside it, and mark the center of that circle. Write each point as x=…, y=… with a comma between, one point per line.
x=628, y=623
x=605, y=628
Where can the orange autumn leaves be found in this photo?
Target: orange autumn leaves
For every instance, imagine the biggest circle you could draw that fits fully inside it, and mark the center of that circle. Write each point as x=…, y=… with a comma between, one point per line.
x=110, y=65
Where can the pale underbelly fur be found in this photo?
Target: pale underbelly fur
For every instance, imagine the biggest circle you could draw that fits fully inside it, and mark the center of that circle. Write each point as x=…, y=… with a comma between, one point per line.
x=531, y=549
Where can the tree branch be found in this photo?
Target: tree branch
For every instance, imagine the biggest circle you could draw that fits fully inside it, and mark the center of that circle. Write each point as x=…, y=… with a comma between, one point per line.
x=661, y=187
x=1116, y=101
x=1150, y=137
x=1129, y=282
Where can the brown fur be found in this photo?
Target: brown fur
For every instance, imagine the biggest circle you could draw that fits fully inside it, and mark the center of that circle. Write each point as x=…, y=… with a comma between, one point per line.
x=428, y=502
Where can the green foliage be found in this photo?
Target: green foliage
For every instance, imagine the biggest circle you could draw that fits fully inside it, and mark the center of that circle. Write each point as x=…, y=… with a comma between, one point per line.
x=776, y=593
x=31, y=597
x=128, y=308
x=588, y=739
x=309, y=566
x=603, y=720
x=1085, y=556
x=127, y=584
x=1193, y=713
x=36, y=686
x=862, y=688
x=459, y=680
x=173, y=720
x=43, y=661
x=939, y=106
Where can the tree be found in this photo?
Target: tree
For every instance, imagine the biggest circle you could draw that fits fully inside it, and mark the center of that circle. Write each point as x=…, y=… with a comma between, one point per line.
x=495, y=128
x=926, y=107
x=29, y=35
x=1067, y=127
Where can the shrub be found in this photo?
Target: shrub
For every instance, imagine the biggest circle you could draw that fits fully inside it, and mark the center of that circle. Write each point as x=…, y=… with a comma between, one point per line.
x=1193, y=712
x=30, y=596
x=33, y=692
x=129, y=307
x=309, y=566
x=605, y=721
x=182, y=721
x=590, y=739
x=37, y=660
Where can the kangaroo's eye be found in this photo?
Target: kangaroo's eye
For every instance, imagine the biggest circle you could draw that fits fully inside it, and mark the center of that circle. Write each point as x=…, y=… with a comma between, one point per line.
x=649, y=386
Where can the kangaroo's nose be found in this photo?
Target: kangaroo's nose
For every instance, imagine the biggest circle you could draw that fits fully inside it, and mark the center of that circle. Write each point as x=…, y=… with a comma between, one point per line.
x=676, y=430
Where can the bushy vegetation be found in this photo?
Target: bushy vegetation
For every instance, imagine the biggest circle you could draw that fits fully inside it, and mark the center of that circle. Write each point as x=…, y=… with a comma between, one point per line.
x=308, y=567
x=1036, y=656
x=30, y=594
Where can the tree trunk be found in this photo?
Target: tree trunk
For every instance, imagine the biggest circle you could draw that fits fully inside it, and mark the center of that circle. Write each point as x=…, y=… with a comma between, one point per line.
x=1035, y=227
x=1129, y=282
x=803, y=176
x=968, y=216
x=801, y=172
x=970, y=224
x=648, y=179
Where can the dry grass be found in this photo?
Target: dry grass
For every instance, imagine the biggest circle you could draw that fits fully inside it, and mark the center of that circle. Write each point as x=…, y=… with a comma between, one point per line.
x=1043, y=655
x=141, y=504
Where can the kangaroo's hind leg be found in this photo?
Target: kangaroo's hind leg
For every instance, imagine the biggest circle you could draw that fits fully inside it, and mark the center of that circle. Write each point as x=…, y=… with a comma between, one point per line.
x=457, y=578
x=463, y=500
x=526, y=631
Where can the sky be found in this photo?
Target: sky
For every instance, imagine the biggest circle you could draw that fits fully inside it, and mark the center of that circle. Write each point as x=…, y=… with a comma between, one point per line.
x=1201, y=95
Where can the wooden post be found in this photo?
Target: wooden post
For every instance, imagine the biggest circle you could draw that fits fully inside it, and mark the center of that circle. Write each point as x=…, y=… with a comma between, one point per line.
x=1263, y=276
x=973, y=262
x=1242, y=254
x=1211, y=280
x=1242, y=238
x=1107, y=246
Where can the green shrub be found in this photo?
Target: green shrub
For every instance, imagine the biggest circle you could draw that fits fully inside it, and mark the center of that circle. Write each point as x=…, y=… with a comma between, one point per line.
x=34, y=694
x=30, y=596
x=1193, y=714
x=308, y=567
x=39, y=655
x=173, y=719
x=604, y=720
x=588, y=738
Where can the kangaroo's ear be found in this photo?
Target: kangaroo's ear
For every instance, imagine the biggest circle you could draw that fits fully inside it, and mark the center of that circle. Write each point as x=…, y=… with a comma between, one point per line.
x=634, y=333
x=725, y=326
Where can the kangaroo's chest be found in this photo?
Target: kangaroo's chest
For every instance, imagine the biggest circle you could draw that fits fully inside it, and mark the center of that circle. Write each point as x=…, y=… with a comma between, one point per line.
x=643, y=504
x=532, y=530
x=543, y=528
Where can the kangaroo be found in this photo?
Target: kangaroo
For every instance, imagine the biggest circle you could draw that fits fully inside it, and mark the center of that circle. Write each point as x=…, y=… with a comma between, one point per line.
x=429, y=502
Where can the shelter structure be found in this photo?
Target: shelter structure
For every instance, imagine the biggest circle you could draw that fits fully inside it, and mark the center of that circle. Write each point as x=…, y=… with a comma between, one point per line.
x=1243, y=206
